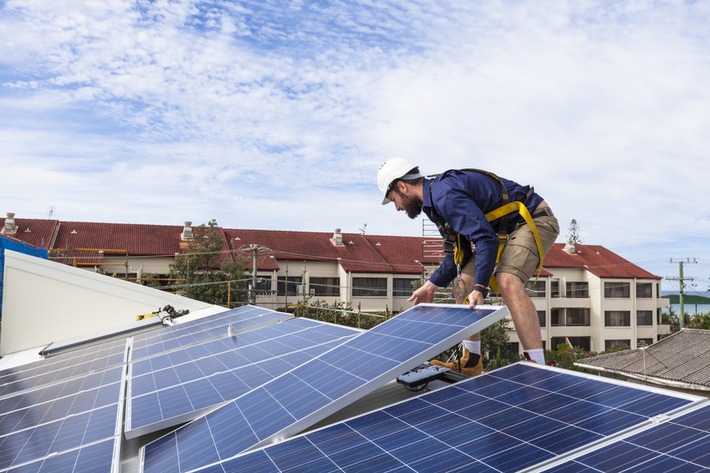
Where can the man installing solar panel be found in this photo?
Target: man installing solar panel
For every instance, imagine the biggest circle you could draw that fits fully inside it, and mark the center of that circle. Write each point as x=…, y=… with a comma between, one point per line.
x=510, y=227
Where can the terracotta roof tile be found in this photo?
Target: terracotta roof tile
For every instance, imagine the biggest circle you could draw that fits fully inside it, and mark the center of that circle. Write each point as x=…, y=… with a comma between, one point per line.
x=596, y=259
x=138, y=240
x=35, y=232
x=358, y=253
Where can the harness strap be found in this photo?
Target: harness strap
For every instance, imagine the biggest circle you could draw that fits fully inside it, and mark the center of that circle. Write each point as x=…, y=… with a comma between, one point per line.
x=505, y=210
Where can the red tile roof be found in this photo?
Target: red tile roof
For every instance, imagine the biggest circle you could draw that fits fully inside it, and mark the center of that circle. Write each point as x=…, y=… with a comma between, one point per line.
x=35, y=232
x=595, y=259
x=358, y=253
x=138, y=240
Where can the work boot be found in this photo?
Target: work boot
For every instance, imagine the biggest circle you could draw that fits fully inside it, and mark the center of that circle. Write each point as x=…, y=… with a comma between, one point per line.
x=470, y=365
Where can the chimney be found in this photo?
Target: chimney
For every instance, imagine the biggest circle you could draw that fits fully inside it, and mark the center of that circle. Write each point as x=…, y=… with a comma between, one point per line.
x=337, y=239
x=186, y=234
x=569, y=248
x=9, y=228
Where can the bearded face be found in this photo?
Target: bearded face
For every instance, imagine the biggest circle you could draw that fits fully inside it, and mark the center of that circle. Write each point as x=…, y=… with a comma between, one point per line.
x=412, y=205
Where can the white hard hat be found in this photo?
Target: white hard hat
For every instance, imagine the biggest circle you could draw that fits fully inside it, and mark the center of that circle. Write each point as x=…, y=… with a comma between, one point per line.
x=391, y=170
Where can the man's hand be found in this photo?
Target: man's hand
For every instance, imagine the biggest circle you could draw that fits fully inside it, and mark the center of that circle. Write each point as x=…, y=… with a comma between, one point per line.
x=475, y=298
x=424, y=293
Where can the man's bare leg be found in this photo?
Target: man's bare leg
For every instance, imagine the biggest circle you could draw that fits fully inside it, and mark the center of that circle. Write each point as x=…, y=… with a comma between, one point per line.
x=523, y=312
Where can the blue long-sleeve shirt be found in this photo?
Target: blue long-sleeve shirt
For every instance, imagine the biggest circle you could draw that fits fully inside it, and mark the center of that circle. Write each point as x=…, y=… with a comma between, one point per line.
x=462, y=198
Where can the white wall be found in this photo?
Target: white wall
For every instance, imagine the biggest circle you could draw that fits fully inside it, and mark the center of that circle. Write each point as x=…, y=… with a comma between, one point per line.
x=46, y=302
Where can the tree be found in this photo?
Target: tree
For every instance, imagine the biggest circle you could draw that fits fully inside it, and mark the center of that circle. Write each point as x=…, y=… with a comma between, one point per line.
x=208, y=273
x=574, y=236
x=494, y=339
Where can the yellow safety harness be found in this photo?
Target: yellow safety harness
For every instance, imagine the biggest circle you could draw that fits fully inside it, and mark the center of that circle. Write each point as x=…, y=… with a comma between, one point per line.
x=501, y=212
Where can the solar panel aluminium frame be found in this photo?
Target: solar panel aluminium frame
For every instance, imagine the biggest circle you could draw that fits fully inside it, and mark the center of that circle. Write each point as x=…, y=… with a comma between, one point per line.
x=342, y=398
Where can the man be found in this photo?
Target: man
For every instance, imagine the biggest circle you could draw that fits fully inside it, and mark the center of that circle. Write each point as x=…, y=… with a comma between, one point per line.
x=457, y=201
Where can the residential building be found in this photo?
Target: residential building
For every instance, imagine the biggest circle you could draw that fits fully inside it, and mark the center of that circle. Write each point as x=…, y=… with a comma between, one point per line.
x=585, y=295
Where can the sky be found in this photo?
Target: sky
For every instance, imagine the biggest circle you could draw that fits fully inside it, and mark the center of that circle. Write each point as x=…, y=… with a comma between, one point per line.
x=276, y=115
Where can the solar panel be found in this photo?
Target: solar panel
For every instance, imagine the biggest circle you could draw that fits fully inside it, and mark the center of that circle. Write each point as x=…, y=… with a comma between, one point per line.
x=516, y=418
x=175, y=387
x=100, y=457
x=56, y=402
x=201, y=330
x=67, y=424
x=62, y=367
x=669, y=444
x=318, y=388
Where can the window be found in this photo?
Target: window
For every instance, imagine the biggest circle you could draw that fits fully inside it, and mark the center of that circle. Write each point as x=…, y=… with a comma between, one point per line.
x=585, y=343
x=556, y=317
x=510, y=348
x=617, y=318
x=403, y=286
x=617, y=344
x=541, y=317
x=370, y=287
x=644, y=317
x=554, y=288
x=290, y=283
x=617, y=290
x=644, y=290
x=263, y=286
x=643, y=342
x=577, y=289
x=578, y=317
x=324, y=286
x=572, y=317
x=537, y=289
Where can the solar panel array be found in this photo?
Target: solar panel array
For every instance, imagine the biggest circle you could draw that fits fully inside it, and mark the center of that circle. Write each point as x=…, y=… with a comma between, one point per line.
x=275, y=375
x=318, y=388
x=518, y=418
x=65, y=413
x=178, y=386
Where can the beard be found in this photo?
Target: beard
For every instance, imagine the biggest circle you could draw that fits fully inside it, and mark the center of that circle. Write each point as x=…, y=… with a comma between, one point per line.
x=412, y=205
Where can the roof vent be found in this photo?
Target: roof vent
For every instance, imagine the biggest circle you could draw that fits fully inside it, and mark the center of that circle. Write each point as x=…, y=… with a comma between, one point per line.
x=9, y=228
x=186, y=234
x=569, y=248
x=337, y=239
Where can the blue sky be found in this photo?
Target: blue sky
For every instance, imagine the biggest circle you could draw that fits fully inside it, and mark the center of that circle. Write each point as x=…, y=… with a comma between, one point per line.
x=276, y=115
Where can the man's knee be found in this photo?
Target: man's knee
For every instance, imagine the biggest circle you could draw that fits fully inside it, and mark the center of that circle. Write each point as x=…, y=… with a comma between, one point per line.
x=508, y=283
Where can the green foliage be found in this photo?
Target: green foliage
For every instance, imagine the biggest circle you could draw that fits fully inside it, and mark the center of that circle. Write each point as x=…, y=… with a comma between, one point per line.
x=700, y=321
x=494, y=340
x=565, y=356
x=574, y=236
x=206, y=272
x=339, y=313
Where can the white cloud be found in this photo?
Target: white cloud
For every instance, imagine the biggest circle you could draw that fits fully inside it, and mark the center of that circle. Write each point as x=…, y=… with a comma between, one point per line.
x=277, y=114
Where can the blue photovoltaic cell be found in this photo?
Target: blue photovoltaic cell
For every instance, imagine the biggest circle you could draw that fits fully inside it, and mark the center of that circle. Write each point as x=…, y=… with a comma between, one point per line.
x=499, y=421
x=28, y=416
x=175, y=387
x=62, y=367
x=680, y=444
x=94, y=458
x=65, y=434
x=316, y=389
x=201, y=330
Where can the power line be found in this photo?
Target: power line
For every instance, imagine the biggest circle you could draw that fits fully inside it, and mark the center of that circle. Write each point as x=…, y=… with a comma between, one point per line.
x=681, y=281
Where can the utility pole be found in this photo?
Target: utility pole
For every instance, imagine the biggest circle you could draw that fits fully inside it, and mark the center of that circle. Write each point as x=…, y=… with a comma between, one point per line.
x=681, y=280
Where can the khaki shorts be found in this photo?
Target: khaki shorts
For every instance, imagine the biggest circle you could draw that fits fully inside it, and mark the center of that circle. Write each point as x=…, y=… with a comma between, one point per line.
x=519, y=256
